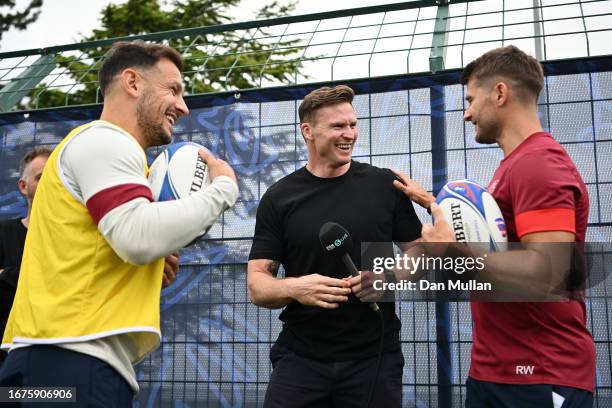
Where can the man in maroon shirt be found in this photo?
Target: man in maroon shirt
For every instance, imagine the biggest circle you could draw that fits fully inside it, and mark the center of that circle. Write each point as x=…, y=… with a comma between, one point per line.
x=524, y=354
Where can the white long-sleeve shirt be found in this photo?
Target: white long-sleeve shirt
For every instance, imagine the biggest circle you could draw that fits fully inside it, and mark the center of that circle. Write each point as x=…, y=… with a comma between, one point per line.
x=103, y=167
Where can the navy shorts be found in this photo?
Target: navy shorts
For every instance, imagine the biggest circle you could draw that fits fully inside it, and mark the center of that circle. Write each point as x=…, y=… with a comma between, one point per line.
x=97, y=384
x=484, y=394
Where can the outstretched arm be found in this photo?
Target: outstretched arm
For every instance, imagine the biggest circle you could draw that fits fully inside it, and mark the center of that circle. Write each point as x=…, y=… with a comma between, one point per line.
x=540, y=269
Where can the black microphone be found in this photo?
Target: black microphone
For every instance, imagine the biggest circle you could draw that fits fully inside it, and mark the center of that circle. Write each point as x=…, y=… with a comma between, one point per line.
x=336, y=240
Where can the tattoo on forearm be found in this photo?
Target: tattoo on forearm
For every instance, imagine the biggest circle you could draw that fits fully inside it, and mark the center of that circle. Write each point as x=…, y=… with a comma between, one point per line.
x=272, y=267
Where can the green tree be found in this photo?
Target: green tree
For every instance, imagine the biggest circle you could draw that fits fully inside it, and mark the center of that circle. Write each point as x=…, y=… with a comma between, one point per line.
x=18, y=19
x=231, y=59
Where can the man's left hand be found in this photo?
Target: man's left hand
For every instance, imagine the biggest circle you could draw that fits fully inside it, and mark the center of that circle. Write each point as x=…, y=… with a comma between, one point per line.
x=363, y=286
x=440, y=231
x=171, y=267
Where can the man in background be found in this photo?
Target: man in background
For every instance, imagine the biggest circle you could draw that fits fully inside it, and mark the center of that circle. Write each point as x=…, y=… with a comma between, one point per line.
x=13, y=232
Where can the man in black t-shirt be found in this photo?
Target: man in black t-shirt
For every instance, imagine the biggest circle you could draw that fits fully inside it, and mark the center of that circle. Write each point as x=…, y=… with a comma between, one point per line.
x=326, y=353
x=13, y=232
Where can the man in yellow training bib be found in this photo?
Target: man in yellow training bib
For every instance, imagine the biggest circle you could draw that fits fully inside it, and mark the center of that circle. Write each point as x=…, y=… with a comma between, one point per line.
x=87, y=302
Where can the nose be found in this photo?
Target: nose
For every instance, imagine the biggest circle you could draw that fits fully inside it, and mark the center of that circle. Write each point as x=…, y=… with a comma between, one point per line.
x=467, y=115
x=349, y=133
x=181, y=106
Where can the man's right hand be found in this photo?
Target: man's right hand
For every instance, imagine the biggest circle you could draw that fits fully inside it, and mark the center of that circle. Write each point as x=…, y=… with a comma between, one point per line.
x=216, y=167
x=413, y=190
x=319, y=290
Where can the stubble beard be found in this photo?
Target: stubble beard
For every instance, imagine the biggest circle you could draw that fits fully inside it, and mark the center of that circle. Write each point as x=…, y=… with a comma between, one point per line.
x=488, y=133
x=152, y=129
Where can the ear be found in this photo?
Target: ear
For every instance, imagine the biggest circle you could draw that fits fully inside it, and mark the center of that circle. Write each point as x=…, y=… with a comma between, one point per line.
x=130, y=82
x=500, y=93
x=306, y=131
x=21, y=184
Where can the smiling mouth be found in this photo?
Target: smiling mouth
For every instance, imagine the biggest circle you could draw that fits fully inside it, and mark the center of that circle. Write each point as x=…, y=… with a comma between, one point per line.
x=344, y=146
x=171, y=118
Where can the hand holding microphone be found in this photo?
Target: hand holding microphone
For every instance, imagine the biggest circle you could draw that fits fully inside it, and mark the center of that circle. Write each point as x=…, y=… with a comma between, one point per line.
x=336, y=240
x=319, y=290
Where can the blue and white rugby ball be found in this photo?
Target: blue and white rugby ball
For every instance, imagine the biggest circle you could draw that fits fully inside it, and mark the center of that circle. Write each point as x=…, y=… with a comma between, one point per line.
x=177, y=172
x=473, y=214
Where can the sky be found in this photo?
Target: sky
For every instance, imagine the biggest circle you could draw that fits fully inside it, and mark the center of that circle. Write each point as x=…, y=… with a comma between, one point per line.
x=65, y=21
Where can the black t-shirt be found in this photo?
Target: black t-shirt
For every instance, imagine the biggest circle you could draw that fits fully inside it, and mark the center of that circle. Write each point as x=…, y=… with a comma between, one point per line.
x=12, y=241
x=289, y=217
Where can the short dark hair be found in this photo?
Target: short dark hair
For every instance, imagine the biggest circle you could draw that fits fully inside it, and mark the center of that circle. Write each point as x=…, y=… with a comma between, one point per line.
x=510, y=62
x=31, y=155
x=324, y=96
x=134, y=54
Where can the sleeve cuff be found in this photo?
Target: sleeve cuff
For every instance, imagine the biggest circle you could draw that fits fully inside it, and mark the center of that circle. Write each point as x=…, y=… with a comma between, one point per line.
x=228, y=185
x=550, y=219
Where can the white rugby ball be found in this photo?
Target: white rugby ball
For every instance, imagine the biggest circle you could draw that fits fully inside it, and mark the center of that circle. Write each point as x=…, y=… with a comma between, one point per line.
x=473, y=214
x=177, y=172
